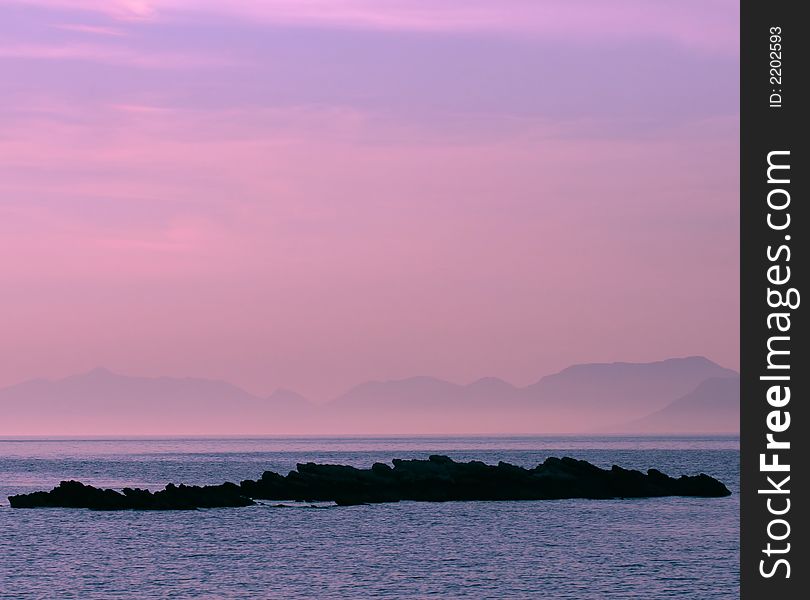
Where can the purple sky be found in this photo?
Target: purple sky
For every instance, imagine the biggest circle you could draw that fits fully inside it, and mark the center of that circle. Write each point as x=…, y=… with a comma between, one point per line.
x=313, y=194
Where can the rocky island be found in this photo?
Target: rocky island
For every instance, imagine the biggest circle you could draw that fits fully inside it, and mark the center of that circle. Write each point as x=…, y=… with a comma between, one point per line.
x=437, y=479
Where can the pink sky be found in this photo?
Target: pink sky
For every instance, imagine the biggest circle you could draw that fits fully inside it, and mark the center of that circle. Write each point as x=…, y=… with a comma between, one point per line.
x=313, y=194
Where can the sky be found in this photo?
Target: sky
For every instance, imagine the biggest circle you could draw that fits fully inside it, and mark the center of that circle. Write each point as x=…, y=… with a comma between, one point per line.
x=313, y=193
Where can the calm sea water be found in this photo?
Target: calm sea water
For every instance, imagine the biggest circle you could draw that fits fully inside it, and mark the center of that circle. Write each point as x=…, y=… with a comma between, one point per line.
x=568, y=549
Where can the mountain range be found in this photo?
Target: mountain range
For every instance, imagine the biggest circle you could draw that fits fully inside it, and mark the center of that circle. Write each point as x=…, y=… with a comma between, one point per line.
x=679, y=395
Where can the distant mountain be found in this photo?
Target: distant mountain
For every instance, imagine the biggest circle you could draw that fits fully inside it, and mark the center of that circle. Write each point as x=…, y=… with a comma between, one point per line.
x=286, y=399
x=102, y=402
x=593, y=395
x=426, y=405
x=712, y=407
x=579, y=399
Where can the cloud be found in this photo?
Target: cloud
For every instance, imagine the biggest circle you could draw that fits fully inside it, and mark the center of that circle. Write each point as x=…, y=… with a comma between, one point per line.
x=709, y=25
x=124, y=10
x=91, y=29
x=112, y=55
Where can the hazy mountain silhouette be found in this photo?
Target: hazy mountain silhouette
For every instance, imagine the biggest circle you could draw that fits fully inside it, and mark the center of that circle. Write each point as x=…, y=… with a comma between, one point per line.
x=426, y=405
x=578, y=399
x=712, y=407
x=593, y=395
x=101, y=402
x=425, y=393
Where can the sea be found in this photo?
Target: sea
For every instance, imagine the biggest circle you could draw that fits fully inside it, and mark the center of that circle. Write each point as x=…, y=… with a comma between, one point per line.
x=686, y=548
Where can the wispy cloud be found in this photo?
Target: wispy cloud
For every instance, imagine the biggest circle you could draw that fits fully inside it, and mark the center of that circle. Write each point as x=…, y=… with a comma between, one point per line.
x=91, y=29
x=112, y=55
x=125, y=10
x=704, y=24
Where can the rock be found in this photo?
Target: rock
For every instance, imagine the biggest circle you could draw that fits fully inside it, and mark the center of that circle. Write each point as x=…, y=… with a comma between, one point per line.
x=441, y=479
x=73, y=494
x=437, y=479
